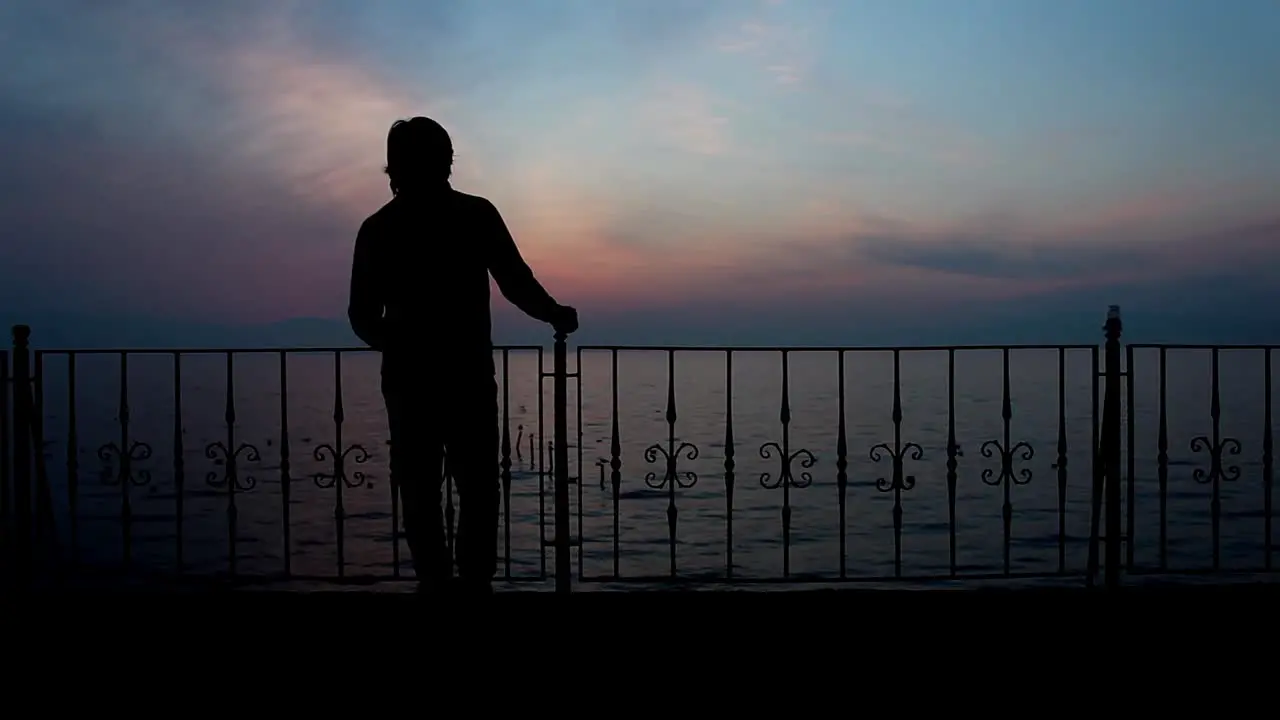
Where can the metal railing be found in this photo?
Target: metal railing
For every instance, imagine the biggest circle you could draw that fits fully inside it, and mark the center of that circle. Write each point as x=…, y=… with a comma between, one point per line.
x=38, y=535
x=1212, y=443
x=235, y=464
x=793, y=465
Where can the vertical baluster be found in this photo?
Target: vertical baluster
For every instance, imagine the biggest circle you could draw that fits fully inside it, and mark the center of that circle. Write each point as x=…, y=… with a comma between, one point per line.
x=542, y=477
x=1006, y=478
x=842, y=470
x=897, y=450
x=505, y=464
x=582, y=540
x=1268, y=461
x=126, y=467
x=784, y=417
x=450, y=510
x=1131, y=505
x=286, y=478
x=1095, y=508
x=671, y=454
x=73, y=460
x=728, y=463
x=671, y=478
x=615, y=465
x=1217, y=446
x=1162, y=460
x=339, y=507
x=1215, y=506
x=953, y=451
x=126, y=453
x=6, y=518
x=179, y=465
x=898, y=481
x=1006, y=415
x=232, y=471
x=338, y=478
x=20, y=501
x=786, y=479
x=1061, y=464
x=43, y=498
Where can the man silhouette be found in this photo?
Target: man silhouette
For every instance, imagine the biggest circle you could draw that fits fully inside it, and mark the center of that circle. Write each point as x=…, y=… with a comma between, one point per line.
x=420, y=297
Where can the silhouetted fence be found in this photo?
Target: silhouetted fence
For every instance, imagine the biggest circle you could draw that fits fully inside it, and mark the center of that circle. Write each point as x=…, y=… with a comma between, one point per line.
x=43, y=537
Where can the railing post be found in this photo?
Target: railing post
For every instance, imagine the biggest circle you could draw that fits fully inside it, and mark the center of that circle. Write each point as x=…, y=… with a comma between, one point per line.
x=20, y=504
x=560, y=462
x=6, y=462
x=1109, y=446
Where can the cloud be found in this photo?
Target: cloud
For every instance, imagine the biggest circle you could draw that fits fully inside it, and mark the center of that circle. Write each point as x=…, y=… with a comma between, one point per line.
x=997, y=258
x=909, y=137
x=310, y=117
x=686, y=116
x=860, y=122
x=212, y=150
x=785, y=52
x=317, y=123
x=112, y=223
x=1067, y=261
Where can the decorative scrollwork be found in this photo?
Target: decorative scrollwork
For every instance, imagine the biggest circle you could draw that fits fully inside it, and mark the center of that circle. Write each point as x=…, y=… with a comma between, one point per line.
x=806, y=458
x=989, y=450
x=683, y=480
x=1225, y=446
x=327, y=453
x=898, y=481
x=111, y=453
x=221, y=455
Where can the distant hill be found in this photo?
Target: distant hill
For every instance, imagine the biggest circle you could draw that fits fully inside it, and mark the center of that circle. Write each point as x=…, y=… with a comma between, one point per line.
x=68, y=330
x=1224, y=311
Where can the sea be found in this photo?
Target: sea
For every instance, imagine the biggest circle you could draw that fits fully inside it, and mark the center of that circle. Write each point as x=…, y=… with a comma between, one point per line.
x=1050, y=393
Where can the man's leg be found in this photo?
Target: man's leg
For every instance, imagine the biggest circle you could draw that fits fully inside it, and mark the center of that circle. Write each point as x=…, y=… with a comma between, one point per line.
x=473, y=446
x=416, y=457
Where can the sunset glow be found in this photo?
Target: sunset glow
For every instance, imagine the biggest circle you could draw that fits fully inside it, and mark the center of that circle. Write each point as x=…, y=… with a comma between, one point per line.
x=665, y=163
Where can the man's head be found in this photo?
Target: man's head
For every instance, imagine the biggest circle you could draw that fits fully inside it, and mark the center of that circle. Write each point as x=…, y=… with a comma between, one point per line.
x=419, y=152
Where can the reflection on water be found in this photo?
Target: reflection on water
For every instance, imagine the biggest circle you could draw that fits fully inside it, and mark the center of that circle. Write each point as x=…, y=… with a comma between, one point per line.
x=702, y=521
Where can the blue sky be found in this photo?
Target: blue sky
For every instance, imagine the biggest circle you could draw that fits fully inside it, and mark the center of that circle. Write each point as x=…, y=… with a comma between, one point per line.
x=839, y=171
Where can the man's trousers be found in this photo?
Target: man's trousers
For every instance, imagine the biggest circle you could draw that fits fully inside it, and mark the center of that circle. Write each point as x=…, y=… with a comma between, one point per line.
x=447, y=424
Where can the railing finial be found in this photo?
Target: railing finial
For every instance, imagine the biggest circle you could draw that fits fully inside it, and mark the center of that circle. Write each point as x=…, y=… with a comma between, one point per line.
x=1114, y=324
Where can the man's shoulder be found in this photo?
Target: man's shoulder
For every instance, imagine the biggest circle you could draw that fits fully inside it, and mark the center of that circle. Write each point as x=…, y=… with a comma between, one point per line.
x=378, y=219
x=388, y=217
x=472, y=203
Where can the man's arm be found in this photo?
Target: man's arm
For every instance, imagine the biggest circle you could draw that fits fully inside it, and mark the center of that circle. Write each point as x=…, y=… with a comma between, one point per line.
x=515, y=278
x=364, y=309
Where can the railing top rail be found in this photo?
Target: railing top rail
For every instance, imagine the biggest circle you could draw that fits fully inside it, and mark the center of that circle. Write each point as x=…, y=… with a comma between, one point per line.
x=830, y=348
x=1194, y=346
x=235, y=350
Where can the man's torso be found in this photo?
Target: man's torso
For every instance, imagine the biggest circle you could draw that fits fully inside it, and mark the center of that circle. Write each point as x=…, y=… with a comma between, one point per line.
x=432, y=255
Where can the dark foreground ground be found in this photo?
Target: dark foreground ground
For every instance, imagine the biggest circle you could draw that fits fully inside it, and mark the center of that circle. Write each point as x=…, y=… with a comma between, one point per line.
x=406, y=593
x=926, y=625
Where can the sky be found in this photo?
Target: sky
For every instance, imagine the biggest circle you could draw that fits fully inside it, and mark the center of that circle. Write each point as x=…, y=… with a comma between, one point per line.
x=756, y=171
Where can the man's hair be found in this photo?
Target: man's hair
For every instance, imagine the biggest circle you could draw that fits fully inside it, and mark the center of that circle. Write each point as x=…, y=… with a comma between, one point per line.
x=419, y=151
